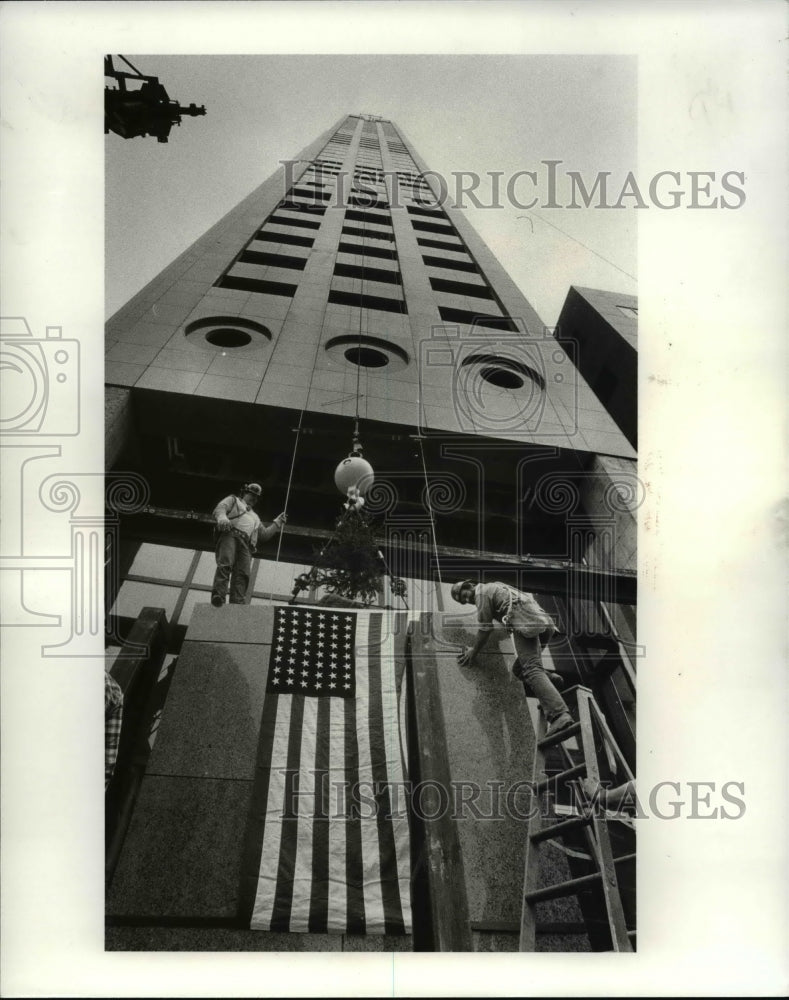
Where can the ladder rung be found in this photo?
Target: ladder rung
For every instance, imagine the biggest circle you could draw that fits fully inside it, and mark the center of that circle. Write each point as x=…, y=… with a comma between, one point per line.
x=558, y=829
x=511, y=927
x=571, y=772
x=560, y=737
x=560, y=889
x=571, y=887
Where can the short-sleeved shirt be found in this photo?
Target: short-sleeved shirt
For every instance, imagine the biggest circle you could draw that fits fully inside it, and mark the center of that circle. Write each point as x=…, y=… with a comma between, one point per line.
x=495, y=601
x=241, y=517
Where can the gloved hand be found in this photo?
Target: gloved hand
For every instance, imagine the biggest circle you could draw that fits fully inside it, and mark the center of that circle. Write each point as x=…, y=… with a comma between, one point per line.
x=224, y=524
x=280, y=519
x=465, y=659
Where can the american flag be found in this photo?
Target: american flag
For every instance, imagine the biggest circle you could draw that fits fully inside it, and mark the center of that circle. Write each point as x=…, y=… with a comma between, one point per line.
x=328, y=844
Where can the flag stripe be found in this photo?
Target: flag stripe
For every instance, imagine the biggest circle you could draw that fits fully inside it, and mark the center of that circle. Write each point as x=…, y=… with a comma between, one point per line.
x=272, y=833
x=337, y=897
x=379, y=737
x=355, y=918
x=369, y=661
x=399, y=767
x=280, y=917
x=305, y=810
x=257, y=812
x=319, y=899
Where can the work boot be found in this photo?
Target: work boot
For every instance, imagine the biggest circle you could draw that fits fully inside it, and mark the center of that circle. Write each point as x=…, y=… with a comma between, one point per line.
x=563, y=721
x=217, y=601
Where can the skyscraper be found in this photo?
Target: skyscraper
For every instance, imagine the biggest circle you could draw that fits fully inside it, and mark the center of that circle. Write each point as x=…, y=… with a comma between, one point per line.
x=347, y=294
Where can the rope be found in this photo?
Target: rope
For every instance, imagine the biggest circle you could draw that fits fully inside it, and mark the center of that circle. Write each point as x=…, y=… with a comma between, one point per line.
x=290, y=481
x=429, y=508
x=580, y=244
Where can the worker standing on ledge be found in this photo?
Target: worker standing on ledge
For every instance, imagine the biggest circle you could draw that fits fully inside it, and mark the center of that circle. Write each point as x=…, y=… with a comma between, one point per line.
x=531, y=628
x=239, y=530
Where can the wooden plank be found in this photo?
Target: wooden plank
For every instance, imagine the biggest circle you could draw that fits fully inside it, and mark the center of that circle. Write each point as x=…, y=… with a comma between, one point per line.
x=605, y=859
x=531, y=860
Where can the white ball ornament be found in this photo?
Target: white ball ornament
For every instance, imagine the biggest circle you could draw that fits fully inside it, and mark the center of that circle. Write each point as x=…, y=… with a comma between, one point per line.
x=354, y=472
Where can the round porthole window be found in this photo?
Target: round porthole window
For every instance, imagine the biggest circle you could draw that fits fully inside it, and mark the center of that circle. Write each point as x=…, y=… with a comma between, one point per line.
x=367, y=352
x=228, y=333
x=226, y=336
x=502, y=377
x=503, y=372
x=500, y=391
x=366, y=357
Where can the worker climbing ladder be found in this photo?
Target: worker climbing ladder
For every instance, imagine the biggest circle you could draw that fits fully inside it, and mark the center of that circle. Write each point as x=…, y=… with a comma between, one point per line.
x=597, y=755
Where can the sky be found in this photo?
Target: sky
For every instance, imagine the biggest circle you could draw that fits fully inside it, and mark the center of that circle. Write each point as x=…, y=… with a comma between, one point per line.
x=477, y=113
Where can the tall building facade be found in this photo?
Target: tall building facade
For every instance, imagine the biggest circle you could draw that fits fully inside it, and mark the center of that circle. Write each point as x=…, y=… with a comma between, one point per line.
x=348, y=293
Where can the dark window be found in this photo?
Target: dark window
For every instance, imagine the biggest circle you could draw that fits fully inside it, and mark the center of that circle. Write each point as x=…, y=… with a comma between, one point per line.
x=305, y=223
x=257, y=285
x=303, y=207
x=432, y=227
x=430, y=213
x=272, y=259
x=452, y=265
x=367, y=234
x=476, y=319
x=357, y=248
x=367, y=273
x=371, y=218
x=301, y=192
x=367, y=301
x=461, y=288
x=288, y=238
x=436, y=245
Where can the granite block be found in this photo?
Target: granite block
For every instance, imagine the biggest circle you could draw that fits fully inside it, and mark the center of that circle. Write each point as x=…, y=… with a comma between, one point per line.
x=164, y=312
x=490, y=739
x=232, y=623
x=377, y=942
x=235, y=365
x=273, y=394
x=136, y=354
x=169, y=380
x=184, y=360
x=211, y=722
x=183, y=851
x=216, y=939
x=219, y=387
x=281, y=374
x=154, y=334
x=122, y=373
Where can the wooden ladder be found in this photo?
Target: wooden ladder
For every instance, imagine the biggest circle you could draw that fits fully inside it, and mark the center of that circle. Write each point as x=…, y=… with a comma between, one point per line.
x=590, y=821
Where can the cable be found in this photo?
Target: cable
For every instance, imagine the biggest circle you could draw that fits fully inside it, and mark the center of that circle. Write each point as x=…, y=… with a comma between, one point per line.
x=430, y=508
x=580, y=244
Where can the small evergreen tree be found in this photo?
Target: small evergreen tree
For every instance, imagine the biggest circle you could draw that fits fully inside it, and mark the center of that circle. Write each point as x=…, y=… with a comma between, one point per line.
x=349, y=566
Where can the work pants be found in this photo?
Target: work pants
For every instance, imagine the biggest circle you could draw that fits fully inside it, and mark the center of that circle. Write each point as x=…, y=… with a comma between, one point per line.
x=233, y=565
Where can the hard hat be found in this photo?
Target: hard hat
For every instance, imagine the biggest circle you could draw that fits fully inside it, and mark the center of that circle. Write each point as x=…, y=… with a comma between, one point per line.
x=253, y=488
x=458, y=587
